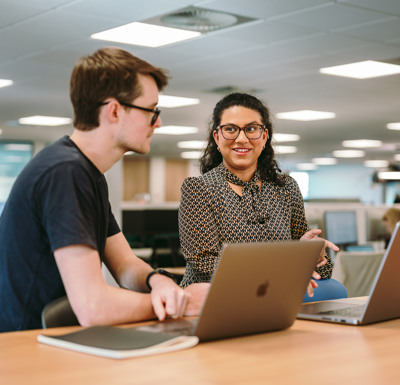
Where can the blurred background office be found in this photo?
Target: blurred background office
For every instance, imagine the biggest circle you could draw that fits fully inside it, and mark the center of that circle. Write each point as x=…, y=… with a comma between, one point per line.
x=329, y=70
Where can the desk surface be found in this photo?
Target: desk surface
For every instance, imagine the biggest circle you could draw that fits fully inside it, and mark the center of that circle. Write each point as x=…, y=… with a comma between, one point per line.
x=307, y=353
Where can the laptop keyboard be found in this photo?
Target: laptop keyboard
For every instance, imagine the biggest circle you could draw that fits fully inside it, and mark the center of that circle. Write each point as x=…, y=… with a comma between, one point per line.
x=354, y=311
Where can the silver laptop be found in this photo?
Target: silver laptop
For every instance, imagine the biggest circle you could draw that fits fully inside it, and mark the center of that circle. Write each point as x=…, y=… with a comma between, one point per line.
x=256, y=288
x=382, y=304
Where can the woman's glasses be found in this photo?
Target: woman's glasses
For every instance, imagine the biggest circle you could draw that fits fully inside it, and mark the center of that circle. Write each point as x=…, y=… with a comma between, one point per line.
x=232, y=131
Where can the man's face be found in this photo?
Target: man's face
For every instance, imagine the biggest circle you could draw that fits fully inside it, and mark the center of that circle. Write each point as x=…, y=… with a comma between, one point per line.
x=136, y=129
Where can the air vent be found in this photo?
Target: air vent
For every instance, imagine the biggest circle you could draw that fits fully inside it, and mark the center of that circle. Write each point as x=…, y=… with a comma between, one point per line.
x=200, y=19
x=229, y=89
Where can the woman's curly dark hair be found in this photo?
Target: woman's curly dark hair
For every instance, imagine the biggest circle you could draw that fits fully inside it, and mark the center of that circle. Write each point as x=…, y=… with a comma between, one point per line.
x=211, y=157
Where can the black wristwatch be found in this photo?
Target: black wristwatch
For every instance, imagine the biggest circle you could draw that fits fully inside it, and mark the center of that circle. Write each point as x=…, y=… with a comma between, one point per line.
x=159, y=271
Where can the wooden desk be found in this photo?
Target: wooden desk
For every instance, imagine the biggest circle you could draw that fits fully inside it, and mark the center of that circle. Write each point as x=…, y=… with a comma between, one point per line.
x=307, y=353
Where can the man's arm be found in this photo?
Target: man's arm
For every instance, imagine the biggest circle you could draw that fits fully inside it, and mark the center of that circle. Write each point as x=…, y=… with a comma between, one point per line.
x=97, y=303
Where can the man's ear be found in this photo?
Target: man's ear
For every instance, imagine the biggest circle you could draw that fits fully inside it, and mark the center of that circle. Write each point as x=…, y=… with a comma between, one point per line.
x=112, y=111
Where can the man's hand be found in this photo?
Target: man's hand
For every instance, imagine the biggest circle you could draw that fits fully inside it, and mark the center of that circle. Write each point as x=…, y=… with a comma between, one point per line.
x=167, y=297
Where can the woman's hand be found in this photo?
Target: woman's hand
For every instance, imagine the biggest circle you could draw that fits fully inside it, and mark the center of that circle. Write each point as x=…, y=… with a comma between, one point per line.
x=312, y=235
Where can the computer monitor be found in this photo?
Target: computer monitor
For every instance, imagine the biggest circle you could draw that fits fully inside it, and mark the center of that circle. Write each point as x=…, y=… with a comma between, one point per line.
x=341, y=227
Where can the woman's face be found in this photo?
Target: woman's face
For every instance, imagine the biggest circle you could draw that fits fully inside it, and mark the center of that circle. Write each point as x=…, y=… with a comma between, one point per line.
x=240, y=155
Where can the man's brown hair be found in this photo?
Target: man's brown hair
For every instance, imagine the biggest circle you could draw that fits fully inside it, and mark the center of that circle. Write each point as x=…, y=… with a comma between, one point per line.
x=107, y=73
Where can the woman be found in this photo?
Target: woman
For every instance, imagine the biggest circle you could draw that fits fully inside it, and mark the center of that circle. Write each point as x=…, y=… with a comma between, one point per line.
x=242, y=195
x=389, y=219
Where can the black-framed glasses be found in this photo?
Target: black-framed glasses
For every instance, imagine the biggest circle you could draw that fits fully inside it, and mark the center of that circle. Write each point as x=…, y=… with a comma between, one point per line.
x=251, y=130
x=156, y=111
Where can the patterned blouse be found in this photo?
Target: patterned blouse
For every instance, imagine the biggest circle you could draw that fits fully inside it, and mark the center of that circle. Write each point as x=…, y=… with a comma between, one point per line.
x=211, y=214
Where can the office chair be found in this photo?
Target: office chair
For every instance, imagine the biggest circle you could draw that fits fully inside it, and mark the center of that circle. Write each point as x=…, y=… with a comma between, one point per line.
x=327, y=289
x=58, y=313
x=357, y=270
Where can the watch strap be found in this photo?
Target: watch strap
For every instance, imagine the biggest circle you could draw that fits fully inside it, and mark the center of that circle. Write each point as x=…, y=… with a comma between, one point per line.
x=159, y=271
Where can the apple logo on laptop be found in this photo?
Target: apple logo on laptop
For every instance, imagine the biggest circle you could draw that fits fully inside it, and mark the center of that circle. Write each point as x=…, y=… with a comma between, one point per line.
x=262, y=289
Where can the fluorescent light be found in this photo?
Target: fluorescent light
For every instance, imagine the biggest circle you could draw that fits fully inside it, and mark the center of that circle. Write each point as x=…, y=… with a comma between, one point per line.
x=176, y=130
x=285, y=149
x=389, y=175
x=306, y=166
x=191, y=154
x=286, y=137
x=18, y=147
x=305, y=115
x=362, y=70
x=5, y=82
x=362, y=143
x=147, y=35
x=376, y=163
x=38, y=120
x=393, y=126
x=200, y=144
x=397, y=157
x=324, y=161
x=168, y=101
x=349, y=153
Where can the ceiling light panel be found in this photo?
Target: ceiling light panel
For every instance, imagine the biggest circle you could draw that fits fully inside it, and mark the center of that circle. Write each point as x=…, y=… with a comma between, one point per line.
x=168, y=101
x=176, y=130
x=38, y=120
x=147, y=35
x=376, y=163
x=393, y=126
x=5, y=82
x=286, y=137
x=362, y=143
x=348, y=153
x=195, y=144
x=362, y=70
x=324, y=161
x=191, y=154
x=305, y=115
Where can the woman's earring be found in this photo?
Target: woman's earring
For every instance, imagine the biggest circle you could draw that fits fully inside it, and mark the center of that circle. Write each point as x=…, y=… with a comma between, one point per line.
x=218, y=149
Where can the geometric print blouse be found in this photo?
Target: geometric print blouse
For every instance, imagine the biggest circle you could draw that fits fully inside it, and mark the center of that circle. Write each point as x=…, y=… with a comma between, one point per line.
x=211, y=214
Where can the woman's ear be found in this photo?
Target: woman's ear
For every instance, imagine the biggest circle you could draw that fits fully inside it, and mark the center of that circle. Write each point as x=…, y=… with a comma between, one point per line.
x=265, y=137
x=216, y=137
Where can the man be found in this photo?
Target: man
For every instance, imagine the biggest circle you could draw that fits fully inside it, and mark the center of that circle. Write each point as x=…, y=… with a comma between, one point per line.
x=57, y=226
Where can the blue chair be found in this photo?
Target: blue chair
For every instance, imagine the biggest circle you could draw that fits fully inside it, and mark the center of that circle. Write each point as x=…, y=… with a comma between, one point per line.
x=327, y=289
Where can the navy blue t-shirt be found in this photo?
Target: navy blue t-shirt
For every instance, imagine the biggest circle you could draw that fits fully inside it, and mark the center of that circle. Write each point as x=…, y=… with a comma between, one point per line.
x=59, y=199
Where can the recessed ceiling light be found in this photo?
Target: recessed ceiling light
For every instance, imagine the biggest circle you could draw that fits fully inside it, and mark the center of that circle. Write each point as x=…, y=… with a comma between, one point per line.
x=324, y=161
x=389, y=175
x=286, y=137
x=147, y=35
x=362, y=143
x=176, y=130
x=285, y=149
x=305, y=115
x=362, y=70
x=191, y=154
x=167, y=101
x=200, y=144
x=306, y=166
x=348, y=153
x=39, y=120
x=393, y=126
x=376, y=163
x=5, y=82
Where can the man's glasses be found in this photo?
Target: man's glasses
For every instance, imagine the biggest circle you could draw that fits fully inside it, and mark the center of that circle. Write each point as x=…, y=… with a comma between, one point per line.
x=156, y=112
x=232, y=131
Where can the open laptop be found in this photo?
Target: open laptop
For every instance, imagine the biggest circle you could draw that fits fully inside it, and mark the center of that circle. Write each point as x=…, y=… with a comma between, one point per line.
x=256, y=288
x=383, y=302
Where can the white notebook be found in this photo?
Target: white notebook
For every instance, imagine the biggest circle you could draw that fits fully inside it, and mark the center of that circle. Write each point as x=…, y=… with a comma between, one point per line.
x=117, y=342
